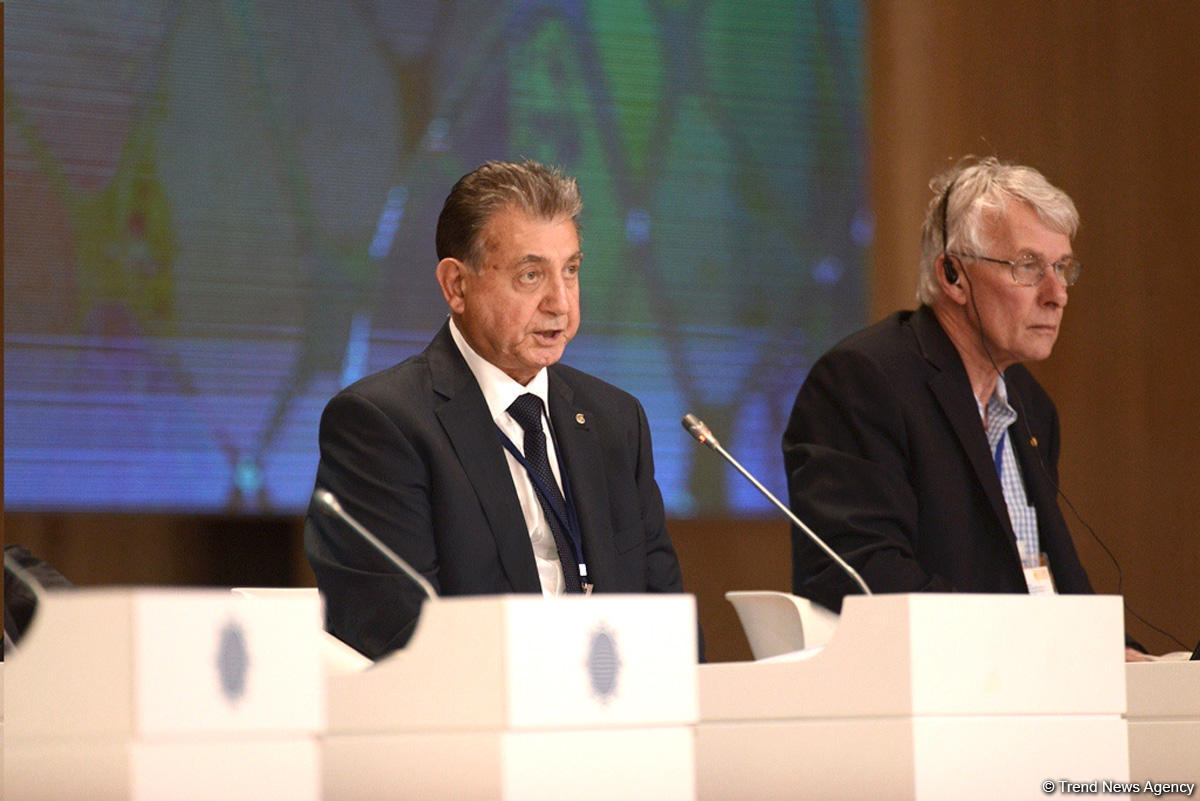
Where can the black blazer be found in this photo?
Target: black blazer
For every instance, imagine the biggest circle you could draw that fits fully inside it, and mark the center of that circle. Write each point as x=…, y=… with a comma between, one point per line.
x=887, y=460
x=412, y=453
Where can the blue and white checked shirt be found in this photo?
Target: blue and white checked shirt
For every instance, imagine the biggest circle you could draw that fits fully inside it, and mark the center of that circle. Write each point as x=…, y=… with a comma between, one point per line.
x=998, y=417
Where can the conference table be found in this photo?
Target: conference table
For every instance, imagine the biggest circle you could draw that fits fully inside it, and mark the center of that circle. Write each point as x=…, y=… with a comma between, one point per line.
x=165, y=694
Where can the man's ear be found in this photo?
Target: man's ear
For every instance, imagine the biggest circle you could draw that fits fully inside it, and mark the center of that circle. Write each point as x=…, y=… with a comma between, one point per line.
x=451, y=274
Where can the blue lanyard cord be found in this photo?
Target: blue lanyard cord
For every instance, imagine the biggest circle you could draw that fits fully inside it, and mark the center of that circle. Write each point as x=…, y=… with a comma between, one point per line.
x=571, y=523
x=1000, y=454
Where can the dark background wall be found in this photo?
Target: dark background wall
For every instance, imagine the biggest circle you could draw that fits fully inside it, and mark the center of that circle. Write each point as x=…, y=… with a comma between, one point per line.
x=1104, y=97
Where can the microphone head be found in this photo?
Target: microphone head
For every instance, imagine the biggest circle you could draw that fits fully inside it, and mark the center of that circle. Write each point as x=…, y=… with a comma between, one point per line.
x=695, y=426
x=325, y=499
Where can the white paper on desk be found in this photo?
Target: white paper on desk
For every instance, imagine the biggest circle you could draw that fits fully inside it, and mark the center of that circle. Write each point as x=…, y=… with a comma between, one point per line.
x=1173, y=656
x=794, y=656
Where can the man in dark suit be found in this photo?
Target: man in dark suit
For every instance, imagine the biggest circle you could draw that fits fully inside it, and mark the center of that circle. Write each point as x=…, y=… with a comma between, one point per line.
x=481, y=461
x=920, y=448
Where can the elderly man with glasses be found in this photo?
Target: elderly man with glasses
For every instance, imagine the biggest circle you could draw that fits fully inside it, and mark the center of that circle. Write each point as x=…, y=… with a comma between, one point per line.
x=920, y=448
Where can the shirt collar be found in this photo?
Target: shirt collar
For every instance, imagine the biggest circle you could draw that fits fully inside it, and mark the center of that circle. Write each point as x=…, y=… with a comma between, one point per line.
x=999, y=415
x=999, y=395
x=499, y=389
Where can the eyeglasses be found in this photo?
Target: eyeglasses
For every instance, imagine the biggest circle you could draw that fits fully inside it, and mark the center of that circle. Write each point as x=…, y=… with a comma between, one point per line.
x=1028, y=270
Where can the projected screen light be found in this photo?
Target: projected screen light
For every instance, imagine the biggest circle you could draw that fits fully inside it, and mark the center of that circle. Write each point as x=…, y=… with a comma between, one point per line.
x=217, y=214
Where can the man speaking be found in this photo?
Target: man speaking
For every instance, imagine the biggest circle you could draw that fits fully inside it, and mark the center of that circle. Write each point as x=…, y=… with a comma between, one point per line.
x=920, y=448
x=481, y=461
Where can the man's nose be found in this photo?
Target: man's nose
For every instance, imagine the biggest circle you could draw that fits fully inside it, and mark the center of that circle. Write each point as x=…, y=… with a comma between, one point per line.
x=1053, y=290
x=557, y=299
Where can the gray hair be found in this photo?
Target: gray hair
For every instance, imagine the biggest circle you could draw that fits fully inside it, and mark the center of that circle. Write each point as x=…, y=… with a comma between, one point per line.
x=539, y=191
x=979, y=191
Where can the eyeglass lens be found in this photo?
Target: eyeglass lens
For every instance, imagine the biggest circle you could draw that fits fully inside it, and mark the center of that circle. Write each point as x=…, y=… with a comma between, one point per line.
x=1030, y=269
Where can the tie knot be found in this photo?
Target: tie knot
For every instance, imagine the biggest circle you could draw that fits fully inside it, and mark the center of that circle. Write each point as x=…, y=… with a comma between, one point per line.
x=527, y=411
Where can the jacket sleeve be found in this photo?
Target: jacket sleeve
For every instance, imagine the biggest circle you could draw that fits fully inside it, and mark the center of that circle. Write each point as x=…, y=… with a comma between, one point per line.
x=380, y=480
x=662, y=563
x=845, y=451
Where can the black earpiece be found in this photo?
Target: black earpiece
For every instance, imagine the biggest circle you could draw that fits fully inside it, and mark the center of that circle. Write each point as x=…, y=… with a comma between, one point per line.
x=949, y=270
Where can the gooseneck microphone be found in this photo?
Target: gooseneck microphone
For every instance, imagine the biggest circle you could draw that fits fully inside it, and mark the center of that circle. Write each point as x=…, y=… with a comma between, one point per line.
x=329, y=504
x=696, y=427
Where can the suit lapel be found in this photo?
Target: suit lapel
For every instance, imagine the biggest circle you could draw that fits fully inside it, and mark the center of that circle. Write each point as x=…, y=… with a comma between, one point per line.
x=1039, y=491
x=1054, y=538
x=581, y=453
x=464, y=416
x=953, y=392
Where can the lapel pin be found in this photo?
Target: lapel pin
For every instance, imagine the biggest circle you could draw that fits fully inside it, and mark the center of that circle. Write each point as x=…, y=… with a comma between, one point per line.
x=579, y=418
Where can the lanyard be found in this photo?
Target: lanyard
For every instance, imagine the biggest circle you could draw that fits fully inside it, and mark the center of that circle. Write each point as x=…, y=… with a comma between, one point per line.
x=571, y=523
x=1000, y=454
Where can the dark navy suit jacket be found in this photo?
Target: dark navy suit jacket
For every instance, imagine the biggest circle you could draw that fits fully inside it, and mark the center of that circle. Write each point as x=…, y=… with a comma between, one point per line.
x=887, y=460
x=413, y=454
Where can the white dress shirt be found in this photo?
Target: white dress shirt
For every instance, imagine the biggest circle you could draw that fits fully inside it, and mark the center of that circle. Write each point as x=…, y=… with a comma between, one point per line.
x=500, y=390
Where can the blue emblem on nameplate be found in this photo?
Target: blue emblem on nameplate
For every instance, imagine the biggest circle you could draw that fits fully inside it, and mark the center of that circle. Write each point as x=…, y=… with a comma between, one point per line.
x=233, y=661
x=603, y=664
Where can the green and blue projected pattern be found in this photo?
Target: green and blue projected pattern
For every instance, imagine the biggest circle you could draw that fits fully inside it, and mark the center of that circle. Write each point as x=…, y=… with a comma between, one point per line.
x=219, y=213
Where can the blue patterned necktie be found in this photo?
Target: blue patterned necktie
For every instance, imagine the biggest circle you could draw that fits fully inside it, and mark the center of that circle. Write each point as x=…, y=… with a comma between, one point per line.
x=527, y=411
